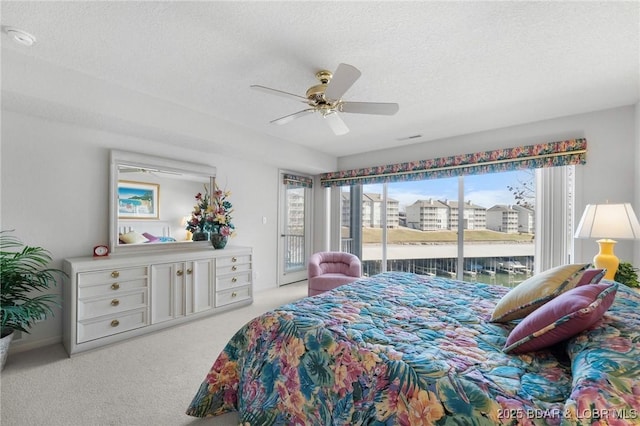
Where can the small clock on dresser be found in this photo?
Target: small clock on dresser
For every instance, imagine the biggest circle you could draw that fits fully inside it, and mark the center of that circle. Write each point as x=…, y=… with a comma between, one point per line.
x=100, y=251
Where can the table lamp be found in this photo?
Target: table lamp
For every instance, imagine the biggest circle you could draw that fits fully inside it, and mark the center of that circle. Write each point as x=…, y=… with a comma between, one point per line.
x=608, y=221
x=183, y=223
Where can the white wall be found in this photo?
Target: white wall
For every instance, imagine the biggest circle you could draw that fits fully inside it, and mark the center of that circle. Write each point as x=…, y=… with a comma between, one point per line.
x=55, y=186
x=612, y=171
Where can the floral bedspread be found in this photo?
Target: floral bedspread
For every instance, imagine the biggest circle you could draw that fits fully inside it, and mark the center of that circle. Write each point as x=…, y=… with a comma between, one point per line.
x=405, y=349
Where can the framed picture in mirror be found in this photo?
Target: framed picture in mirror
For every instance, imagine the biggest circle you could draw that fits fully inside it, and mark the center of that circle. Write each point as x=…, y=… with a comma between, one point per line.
x=138, y=200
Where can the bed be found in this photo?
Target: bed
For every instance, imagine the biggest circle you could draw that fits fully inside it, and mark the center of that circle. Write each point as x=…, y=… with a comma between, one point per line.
x=406, y=349
x=144, y=232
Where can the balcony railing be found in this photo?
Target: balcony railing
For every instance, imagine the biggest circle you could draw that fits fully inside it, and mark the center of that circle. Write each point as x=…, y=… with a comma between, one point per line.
x=296, y=257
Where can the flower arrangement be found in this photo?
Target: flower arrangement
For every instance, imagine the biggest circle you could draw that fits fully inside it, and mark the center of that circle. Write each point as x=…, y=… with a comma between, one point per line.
x=212, y=213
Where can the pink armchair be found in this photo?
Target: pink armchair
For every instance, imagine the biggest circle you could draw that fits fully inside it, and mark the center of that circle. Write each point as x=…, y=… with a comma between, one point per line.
x=328, y=270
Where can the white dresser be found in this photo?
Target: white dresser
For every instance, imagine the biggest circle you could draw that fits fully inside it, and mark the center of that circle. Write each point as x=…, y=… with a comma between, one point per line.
x=114, y=298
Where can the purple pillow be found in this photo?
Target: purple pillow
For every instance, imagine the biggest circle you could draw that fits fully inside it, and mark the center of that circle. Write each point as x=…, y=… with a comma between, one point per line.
x=563, y=317
x=591, y=276
x=151, y=238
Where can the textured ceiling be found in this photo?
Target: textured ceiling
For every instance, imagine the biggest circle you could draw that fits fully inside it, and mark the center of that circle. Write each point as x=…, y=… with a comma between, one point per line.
x=453, y=67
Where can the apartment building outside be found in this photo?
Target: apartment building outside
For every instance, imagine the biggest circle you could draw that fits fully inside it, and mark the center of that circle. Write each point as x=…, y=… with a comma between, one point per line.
x=434, y=215
x=526, y=219
x=474, y=217
x=503, y=218
x=428, y=215
x=372, y=210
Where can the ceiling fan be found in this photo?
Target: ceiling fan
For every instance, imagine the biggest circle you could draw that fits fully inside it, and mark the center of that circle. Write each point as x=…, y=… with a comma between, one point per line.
x=326, y=98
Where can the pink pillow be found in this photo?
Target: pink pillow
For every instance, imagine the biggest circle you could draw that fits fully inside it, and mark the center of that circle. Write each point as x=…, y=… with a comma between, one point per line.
x=151, y=238
x=591, y=276
x=563, y=317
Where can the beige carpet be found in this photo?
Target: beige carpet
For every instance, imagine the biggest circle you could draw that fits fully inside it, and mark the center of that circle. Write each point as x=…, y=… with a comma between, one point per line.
x=148, y=380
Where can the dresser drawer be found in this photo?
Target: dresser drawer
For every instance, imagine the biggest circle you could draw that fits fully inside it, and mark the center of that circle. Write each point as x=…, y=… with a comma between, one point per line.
x=228, y=261
x=111, y=289
x=91, y=308
x=111, y=275
x=232, y=296
x=90, y=330
x=233, y=268
x=231, y=281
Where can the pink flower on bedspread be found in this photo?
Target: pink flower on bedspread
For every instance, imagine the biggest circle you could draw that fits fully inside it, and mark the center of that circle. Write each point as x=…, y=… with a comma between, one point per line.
x=224, y=375
x=291, y=401
x=619, y=344
x=290, y=376
x=588, y=400
x=252, y=389
x=389, y=402
x=223, y=371
x=553, y=374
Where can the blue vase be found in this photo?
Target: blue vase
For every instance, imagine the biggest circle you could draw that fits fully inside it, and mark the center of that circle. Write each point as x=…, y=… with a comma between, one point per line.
x=218, y=241
x=199, y=236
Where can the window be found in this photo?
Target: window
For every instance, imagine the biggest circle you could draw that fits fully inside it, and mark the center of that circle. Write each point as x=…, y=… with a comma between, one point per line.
x=414, y=226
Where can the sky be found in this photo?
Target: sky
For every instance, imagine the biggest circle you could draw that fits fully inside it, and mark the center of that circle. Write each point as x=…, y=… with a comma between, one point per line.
x=484, y=190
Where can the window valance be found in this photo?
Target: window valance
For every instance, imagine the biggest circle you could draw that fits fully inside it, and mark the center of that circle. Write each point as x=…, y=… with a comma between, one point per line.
x=550, y=154
x=297, y=181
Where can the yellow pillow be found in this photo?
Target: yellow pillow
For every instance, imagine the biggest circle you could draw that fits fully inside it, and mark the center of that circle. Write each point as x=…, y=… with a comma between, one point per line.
x=537, y=290
x=133, y=237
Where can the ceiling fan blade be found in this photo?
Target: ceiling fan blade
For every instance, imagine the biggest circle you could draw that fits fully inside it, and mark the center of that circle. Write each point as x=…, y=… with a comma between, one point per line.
x=369, y=108
x=342, y=80
x=288, y=118
x=337, y=125
x=278, y=92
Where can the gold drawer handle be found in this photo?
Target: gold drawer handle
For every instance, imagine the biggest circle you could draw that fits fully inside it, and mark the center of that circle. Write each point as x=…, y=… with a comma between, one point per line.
x=234, y=268
x=234, y=279
x=115, y=286
x=234, y=294
x=189, y=271
x=234, y=259
x=180, y=272
x=115, y=302
x=115, y=323
x=115, y=274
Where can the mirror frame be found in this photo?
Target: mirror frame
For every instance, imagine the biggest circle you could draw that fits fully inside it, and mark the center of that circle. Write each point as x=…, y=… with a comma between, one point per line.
x=144, y=161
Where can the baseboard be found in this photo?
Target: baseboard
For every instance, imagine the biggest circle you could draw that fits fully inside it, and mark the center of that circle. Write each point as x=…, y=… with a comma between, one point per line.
x=17, y=346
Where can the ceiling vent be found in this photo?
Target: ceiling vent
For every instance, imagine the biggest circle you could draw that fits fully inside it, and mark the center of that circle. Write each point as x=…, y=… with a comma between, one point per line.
x=407, y=138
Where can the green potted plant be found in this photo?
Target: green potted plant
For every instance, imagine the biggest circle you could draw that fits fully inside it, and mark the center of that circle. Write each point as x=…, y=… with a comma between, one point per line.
x=627, y=275
x=23, y=277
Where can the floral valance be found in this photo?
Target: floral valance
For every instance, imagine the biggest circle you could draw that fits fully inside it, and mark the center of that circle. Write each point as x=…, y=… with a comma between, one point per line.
x=297, y=181
x=550, y=154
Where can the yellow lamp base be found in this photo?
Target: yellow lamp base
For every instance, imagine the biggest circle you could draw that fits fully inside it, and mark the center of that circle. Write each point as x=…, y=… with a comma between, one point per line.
x=605, y=259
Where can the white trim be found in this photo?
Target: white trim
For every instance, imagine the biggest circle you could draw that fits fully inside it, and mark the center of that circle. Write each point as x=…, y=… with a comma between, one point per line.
x=554, y=220
x=18, y=346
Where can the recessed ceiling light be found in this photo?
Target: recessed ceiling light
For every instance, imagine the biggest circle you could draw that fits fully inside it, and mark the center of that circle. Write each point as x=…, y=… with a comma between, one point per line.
x=20, y=36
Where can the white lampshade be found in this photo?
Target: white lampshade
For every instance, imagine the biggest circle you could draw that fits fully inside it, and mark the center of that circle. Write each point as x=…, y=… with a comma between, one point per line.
x=614, y=221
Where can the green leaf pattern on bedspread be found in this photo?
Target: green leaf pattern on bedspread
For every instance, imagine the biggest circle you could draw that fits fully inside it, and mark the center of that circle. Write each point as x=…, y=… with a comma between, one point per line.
x=405, y=349
x=606, y=367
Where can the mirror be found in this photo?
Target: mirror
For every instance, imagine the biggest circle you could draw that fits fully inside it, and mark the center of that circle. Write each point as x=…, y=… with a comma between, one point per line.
x=151, y=199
